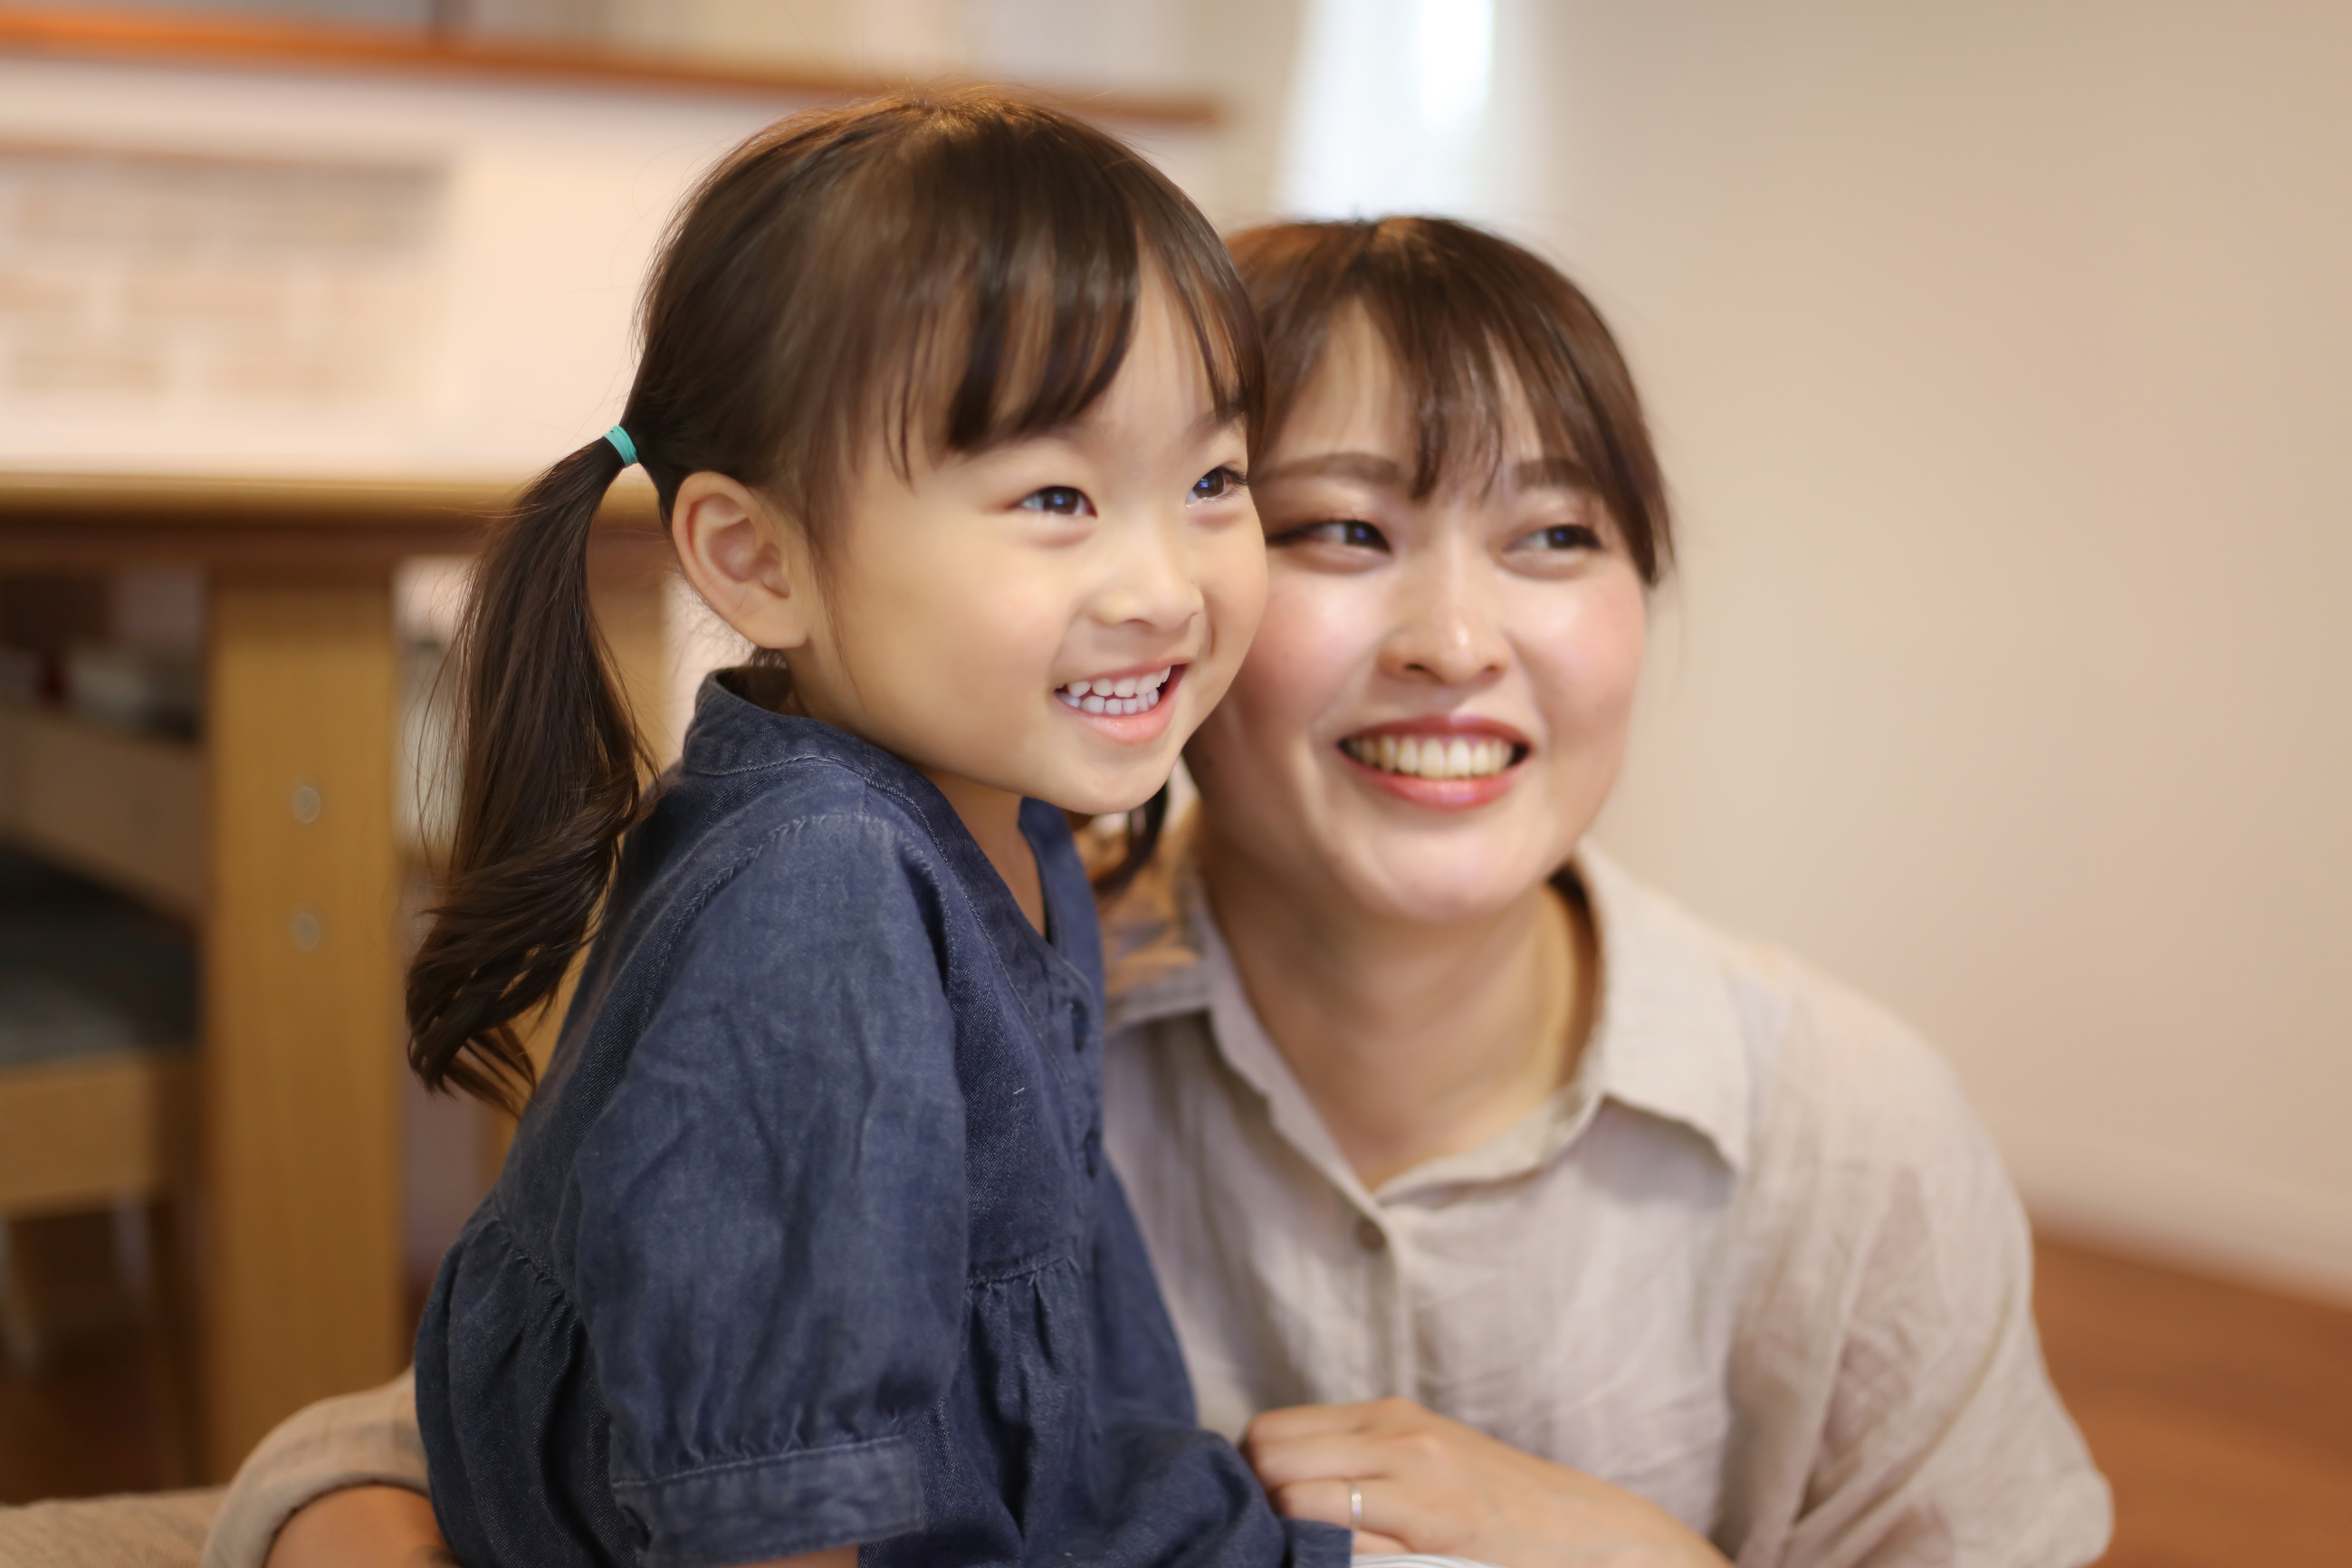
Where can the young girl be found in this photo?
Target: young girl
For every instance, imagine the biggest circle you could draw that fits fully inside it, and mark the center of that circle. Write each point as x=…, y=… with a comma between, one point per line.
x=806, y=1242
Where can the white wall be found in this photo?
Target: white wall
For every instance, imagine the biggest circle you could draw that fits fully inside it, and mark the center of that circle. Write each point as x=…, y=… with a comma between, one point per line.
x=2001, y=355
x=547, y=203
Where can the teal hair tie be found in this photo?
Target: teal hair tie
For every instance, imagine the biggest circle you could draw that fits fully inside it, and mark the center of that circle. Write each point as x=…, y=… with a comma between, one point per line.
x=623, y=445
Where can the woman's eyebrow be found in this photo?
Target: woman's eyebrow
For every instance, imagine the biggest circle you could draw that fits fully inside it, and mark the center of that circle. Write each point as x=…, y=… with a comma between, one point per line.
x=1367, y=467
x=1551, y=473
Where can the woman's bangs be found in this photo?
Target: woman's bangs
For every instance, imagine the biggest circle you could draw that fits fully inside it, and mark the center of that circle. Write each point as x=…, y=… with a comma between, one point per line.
x=1482, y=334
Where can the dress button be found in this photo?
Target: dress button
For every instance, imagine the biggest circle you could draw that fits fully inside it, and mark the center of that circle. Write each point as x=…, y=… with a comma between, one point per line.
x=1370, y=1236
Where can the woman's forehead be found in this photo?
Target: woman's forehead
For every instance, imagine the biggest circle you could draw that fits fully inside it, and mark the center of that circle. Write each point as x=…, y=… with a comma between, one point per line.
x=1356, y=417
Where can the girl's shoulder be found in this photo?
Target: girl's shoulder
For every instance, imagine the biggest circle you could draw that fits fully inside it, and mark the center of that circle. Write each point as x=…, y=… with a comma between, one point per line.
x=751, y=782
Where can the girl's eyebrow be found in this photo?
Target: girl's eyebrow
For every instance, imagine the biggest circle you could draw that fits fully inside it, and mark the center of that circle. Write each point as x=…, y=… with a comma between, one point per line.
x=1367, y=467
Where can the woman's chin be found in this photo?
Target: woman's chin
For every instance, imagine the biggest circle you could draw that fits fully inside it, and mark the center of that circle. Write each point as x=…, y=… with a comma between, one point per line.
x=1427, y=884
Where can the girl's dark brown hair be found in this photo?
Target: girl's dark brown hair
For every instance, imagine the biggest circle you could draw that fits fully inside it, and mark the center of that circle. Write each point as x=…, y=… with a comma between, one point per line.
x=1467, y=315
x=938, y=273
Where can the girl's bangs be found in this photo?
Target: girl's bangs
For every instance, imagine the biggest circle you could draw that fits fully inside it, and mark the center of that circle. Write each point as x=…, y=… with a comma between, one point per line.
x=1030, y=325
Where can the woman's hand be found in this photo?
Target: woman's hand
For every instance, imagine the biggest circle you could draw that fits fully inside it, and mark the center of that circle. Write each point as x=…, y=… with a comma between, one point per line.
x=1433, y=1485
x=363, y=1526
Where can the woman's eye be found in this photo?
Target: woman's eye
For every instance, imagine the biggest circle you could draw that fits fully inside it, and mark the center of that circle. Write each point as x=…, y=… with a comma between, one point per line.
x=1349, y=533
x=1561, y=536
x=1058, y=500
x=1218, y=483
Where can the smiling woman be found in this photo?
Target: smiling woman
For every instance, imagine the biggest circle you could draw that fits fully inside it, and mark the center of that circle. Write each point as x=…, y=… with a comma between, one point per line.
x=1503, y=1208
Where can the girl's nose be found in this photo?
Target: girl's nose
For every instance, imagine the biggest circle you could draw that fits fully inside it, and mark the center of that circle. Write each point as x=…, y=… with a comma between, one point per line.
x=1446, y=631
x=1153, y=584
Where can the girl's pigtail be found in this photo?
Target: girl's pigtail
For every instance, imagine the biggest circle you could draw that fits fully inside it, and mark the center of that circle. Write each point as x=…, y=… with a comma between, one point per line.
x=549, y=783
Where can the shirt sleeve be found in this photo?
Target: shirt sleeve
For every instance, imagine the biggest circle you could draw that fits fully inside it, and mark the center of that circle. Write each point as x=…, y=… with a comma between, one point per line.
x=1941, y=1439
x=357, y=1441
x=772, y=1211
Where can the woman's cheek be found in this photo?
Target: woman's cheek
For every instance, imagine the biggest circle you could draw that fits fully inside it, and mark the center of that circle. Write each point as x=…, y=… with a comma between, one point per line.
x=1591, y=665
x=1300, y=664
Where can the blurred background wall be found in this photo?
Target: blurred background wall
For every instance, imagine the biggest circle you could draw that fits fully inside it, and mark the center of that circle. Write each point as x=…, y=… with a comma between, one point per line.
x=2002, y=358
x=1997, y=352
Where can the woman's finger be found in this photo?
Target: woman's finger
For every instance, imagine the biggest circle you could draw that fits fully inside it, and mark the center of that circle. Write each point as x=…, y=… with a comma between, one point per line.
x=1280, y=1462
x=1308, y=1421
x=1324, y=1499
x=1369, y=1507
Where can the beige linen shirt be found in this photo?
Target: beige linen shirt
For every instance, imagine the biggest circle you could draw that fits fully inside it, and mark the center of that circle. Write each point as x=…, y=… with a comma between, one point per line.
x=1757, y=1262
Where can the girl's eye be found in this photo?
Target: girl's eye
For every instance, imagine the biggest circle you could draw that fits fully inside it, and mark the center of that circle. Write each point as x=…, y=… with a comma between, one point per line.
x=1347, y=532
x=1219, y=482
x=1058, y=500
x=1561, y=536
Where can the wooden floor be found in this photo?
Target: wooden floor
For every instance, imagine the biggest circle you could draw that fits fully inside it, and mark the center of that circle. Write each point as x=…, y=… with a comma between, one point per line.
x=2221, y=1416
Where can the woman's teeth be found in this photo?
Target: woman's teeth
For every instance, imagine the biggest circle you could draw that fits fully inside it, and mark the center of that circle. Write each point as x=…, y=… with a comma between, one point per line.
x=1431, y=756
x=1127, y=694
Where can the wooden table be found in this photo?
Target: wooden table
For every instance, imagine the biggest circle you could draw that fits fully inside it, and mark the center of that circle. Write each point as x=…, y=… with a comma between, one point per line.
x=280, y=841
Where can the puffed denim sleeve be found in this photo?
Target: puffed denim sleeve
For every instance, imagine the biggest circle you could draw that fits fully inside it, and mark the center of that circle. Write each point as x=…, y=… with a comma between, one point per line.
x=772, y=1223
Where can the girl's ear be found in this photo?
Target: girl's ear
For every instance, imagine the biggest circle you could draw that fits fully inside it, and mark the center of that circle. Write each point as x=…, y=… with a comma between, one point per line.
x=748, y=565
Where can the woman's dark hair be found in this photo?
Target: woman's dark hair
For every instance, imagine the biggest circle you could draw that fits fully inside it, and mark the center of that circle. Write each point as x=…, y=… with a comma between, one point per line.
x=947, y=271
x=1466, y=314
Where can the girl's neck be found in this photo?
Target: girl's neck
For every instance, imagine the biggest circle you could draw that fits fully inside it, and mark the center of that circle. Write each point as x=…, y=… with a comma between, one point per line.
x=992, y=817
x=1413, y=1040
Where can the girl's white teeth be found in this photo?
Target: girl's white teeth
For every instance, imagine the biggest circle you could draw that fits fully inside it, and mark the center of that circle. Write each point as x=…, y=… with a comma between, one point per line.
x=1431, y=756
x=1125, y=694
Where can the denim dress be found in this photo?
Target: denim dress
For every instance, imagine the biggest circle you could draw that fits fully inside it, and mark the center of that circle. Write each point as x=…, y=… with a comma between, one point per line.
x=807, y=1237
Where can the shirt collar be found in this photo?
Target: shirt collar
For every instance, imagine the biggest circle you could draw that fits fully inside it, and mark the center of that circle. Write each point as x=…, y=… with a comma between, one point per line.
x=1666, y=1037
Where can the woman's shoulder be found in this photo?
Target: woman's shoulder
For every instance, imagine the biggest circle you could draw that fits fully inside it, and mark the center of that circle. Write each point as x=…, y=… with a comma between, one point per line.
x=1830, y=1074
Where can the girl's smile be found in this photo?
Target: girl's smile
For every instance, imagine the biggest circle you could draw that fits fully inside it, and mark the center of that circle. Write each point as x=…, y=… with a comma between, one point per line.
x=1131, y=706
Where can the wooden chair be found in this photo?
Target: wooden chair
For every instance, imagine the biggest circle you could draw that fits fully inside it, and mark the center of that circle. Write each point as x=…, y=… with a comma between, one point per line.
x=97, y=1113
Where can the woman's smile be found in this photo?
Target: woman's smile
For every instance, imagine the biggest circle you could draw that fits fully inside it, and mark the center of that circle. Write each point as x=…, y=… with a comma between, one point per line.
x=1444, y=762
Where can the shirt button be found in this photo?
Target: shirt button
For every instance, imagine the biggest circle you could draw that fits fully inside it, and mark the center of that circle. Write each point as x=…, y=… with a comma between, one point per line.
x=1370, y=1236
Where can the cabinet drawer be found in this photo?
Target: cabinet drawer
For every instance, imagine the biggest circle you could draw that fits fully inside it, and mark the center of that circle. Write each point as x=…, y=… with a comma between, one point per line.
x=126, y=809
x=87, y=1132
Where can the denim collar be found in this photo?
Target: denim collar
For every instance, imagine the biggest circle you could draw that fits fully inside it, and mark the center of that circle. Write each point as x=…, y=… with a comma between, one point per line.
x=733, y=732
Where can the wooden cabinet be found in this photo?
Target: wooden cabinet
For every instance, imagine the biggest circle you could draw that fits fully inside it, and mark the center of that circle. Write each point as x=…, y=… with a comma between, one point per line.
x=129, y=810
x=276, y=838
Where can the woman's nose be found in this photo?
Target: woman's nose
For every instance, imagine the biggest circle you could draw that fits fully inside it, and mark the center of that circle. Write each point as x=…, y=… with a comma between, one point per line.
x=1446, y=632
